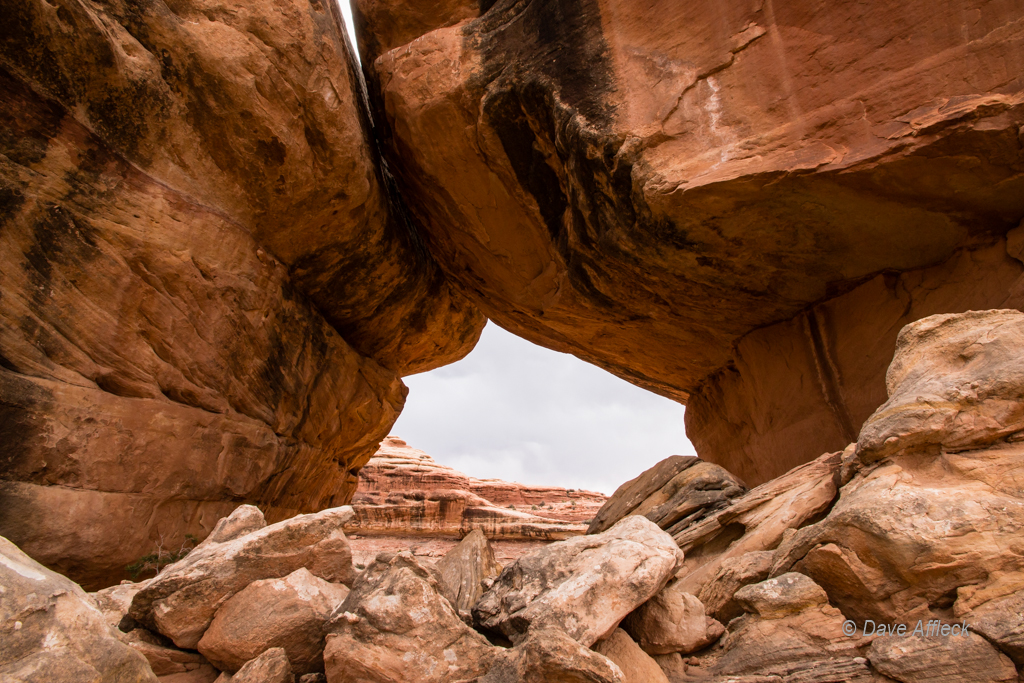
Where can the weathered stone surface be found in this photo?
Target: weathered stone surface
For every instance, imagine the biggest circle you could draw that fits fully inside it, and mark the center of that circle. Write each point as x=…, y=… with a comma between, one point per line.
x=674, y=494
x=1001, y=622
x=718, y=594
x=402, y=490
x=550, y=656
x=671, y=621
x=50, y=630
x=181, y=602
x=715, y=186
x=583, y=586
x=636, y=665
x=289, y=613
x=204, y=674
x=758, y=520
x=940, y=659
x=207, y=295
x=463, y=571
x=396, y=626
x=270, y=667
x=800, y=641
x=781, y=596
x=115, y=601
x=955, y=383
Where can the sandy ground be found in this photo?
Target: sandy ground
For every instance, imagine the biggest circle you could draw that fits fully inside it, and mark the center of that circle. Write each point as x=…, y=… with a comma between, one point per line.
x=365, y=548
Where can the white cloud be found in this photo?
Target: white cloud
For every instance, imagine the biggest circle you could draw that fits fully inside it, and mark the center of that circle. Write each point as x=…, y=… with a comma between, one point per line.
x=519, y=412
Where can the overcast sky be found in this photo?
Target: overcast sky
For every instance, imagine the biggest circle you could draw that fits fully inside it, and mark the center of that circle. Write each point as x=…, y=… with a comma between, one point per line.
x=519, y=412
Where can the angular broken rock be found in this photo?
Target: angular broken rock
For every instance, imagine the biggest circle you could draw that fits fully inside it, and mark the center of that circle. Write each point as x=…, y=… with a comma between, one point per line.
x=463, y=570
x=629, y=496
x=243, y=520
x=50, y=630
x=671, y=621
x=583, y=586
x=549, y=655
x=940, y=659
x=1001, y=622
x=287, y=613
x=115, y=601
x=636, y=665
x=164, y=659
x=779, y=597
x=180, y=603
x=396, y=626
x=955, y=382
x=718, y=594
x=270, y=667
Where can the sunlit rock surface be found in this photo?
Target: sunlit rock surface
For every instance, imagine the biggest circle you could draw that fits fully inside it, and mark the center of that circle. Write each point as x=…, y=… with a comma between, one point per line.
x=735, y=205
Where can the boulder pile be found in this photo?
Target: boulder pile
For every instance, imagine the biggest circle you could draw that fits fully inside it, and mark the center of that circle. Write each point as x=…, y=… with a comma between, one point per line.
x=899, y=558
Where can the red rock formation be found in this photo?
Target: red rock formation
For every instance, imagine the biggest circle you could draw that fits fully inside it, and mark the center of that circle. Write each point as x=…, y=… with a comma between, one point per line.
x=403, y=491
x=735, y=205
x=207, y=294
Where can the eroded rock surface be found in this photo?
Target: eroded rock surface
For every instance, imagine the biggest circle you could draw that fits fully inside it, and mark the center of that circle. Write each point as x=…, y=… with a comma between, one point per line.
x=50, y=630
x=672, y=621
x=583, y=586
x=463, y=571
x=396, y=626
x=403, y=491
x=550, y=655
x=181, y=602
x=208, y=294
x=737, y=206
x=636, y=665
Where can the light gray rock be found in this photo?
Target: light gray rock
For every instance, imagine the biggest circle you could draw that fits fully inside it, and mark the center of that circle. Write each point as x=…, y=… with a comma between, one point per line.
x=181, y=602
x=779, y=597
x=583, y=586
x=51, y=630
x=463, y=570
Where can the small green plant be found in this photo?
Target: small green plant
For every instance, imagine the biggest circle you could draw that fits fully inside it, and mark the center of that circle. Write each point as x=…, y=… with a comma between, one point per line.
x=155, y=561
x=511, y=507
x=533, y=507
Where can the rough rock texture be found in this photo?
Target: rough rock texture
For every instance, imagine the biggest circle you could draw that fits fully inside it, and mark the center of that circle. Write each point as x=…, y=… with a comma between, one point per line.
x=801, y=640
x=550, y=656
x=636, y=665
x=50, y=630
x=718, y=594
x=673, y=494
x=402, y=490
x=736, y=206
x=758, y=520
x=166, y=660
x=396, y=626
x=270, y=667
x=583, y=586
x=288, y=613
x=672, y=621
x=208, y=296
x=463, y=571
x=1001, y=622
x=181, y=602
x=917, y=659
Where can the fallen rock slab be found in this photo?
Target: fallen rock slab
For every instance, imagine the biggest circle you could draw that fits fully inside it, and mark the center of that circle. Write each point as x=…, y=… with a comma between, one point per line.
x=270, y=667
x=50, y=630
x=583, y=586
x=1001, y=622
x=181, y=602
x=940, y=659
x=636, y=665
x=672, y=621
x=396, y=626
x=718, y=594
x=288, y=613
x=546, y=656
x=463, y=571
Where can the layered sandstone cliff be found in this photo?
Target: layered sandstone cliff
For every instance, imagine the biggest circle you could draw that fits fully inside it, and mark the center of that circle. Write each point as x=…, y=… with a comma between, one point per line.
x=735, y=205
x=208, y=293
x=404, y=492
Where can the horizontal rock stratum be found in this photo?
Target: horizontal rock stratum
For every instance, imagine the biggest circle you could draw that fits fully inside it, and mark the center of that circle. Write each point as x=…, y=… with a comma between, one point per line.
x=736, y=205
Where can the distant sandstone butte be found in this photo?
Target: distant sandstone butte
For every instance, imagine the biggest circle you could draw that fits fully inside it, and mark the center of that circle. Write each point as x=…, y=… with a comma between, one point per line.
x=403, y=491
x=735, y=205
x=207, y=294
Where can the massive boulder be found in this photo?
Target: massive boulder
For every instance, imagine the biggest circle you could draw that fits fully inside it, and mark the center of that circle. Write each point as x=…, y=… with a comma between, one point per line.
x=735, y=205
x=463, y=571
x=208, y=295
x=50, y=630
x=396, y=626
x=583, y=586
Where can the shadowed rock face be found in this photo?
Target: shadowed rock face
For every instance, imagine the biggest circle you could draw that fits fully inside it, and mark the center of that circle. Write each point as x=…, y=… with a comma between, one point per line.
x=206, y=294
x=735, y=206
